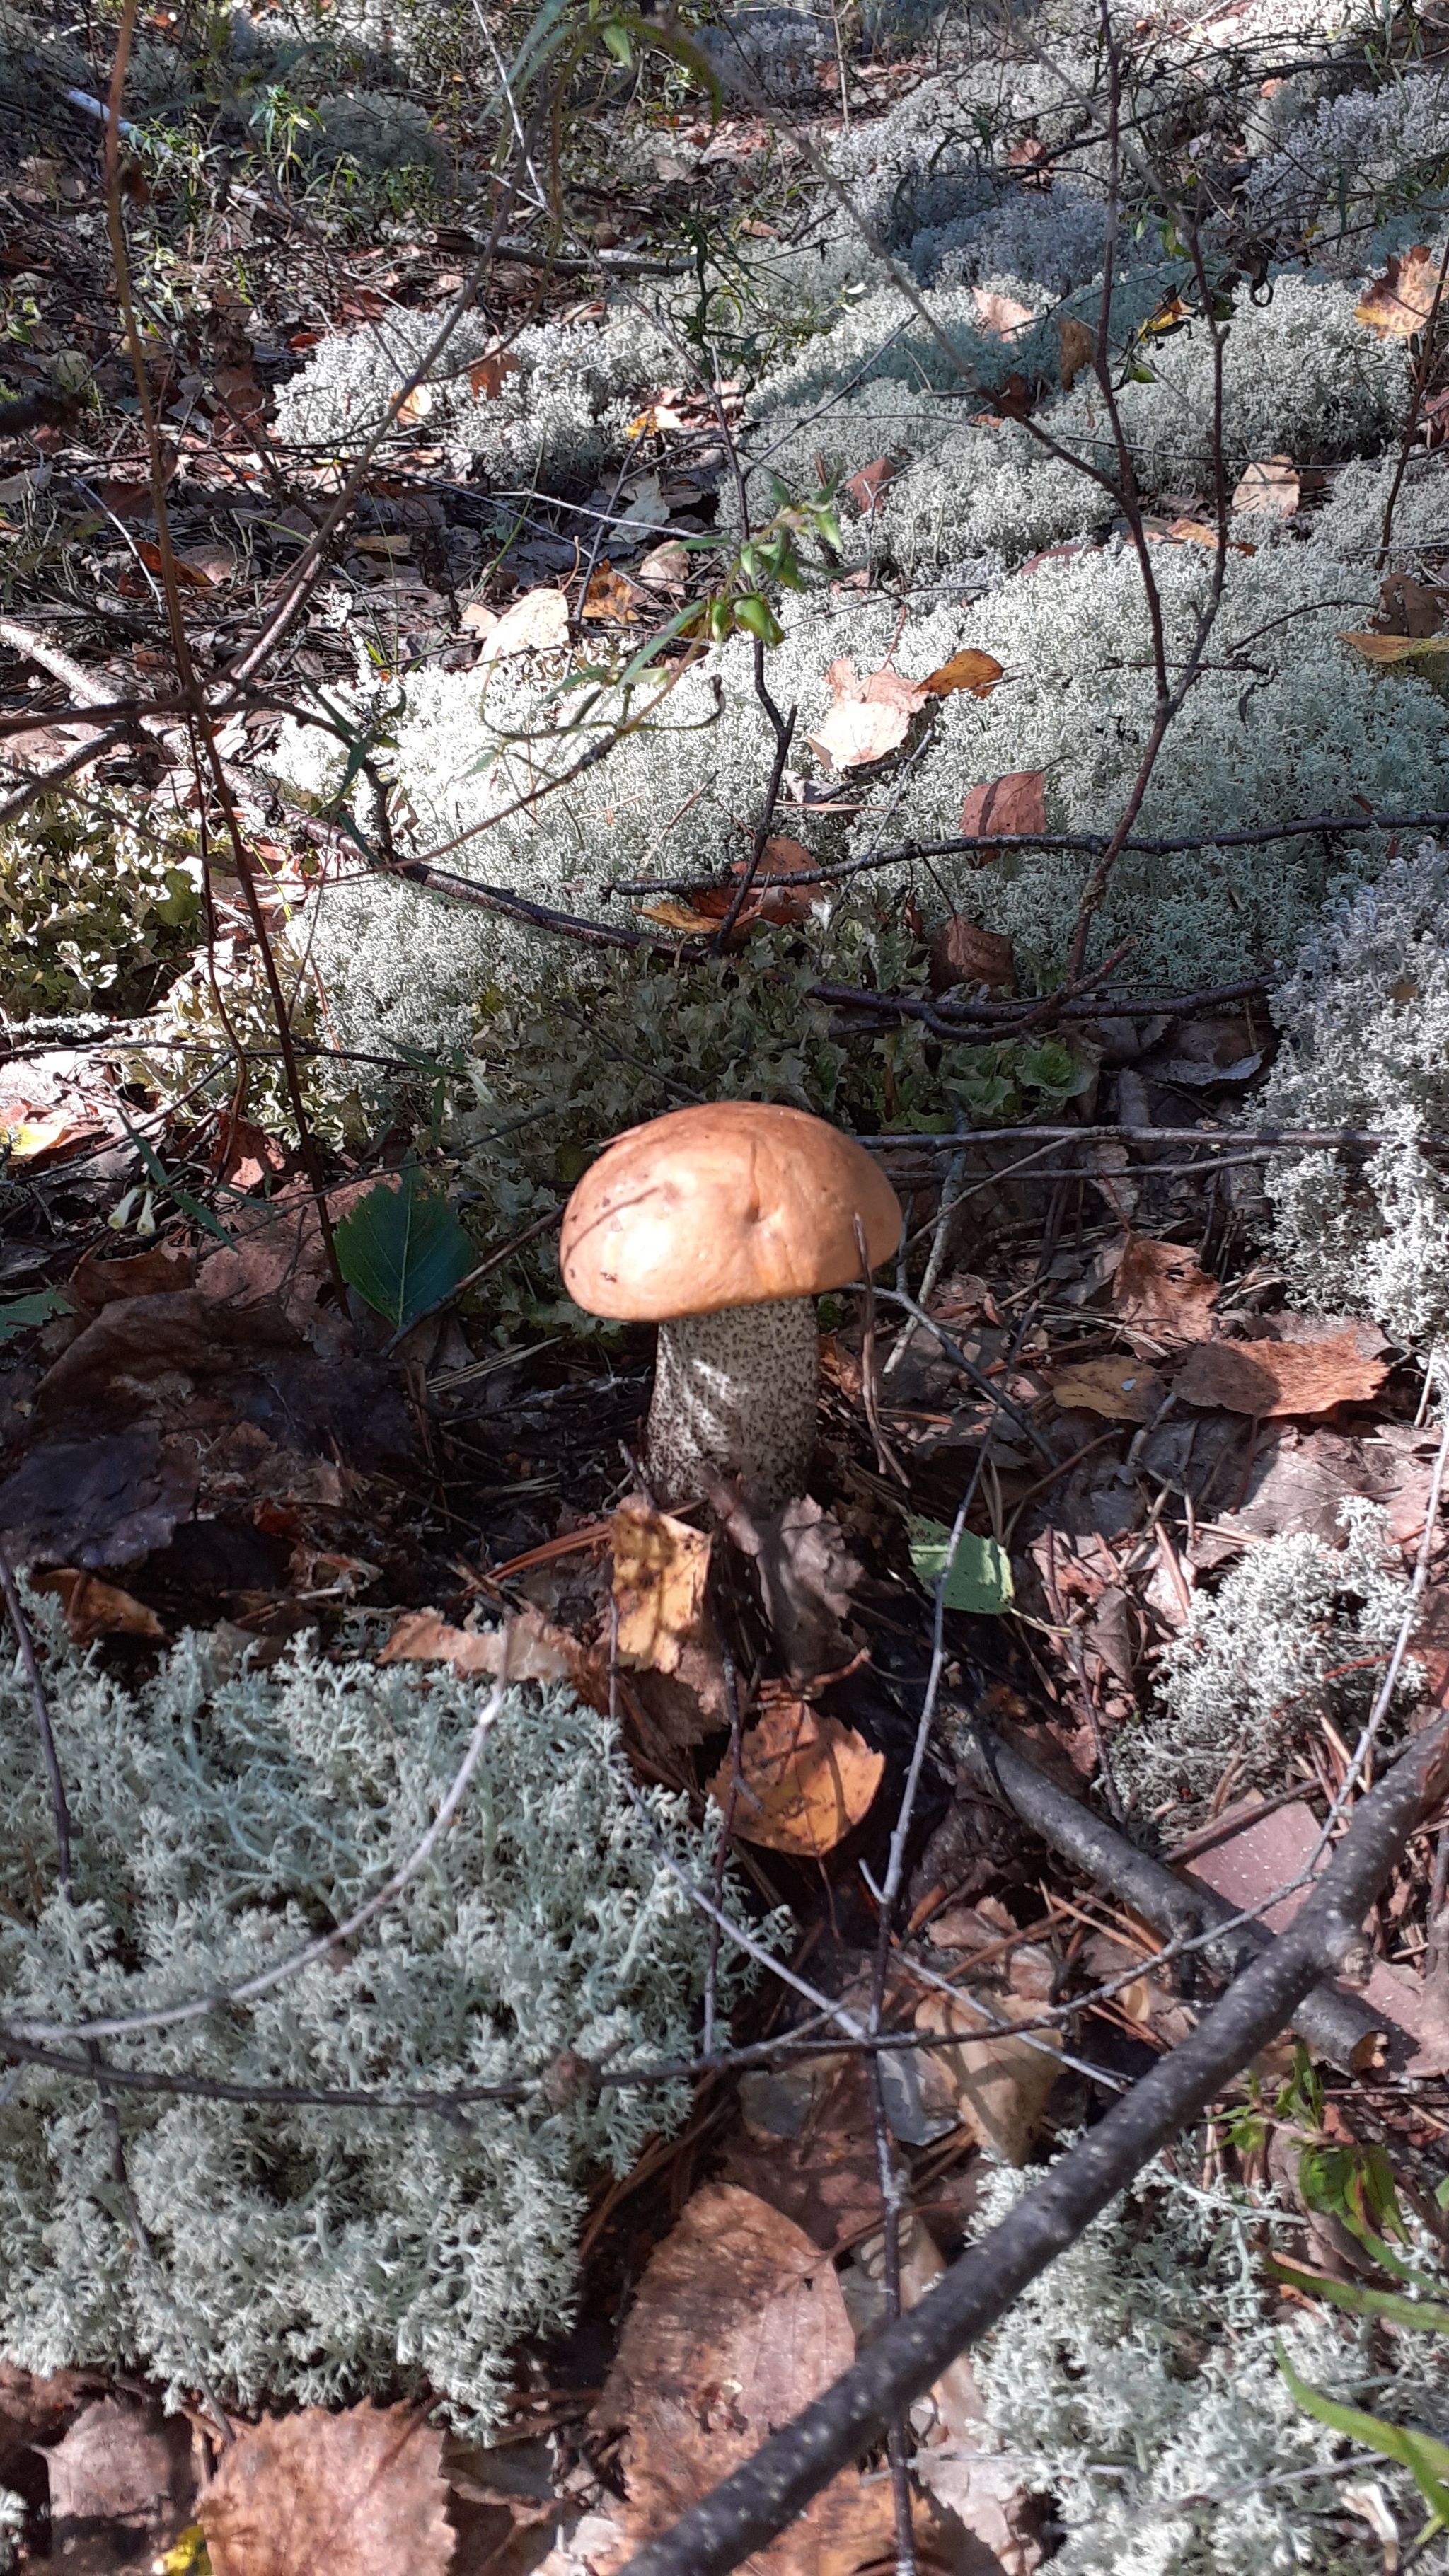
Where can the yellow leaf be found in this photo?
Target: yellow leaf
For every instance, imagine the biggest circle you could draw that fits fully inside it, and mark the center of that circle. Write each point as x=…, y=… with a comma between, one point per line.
x=661, y=1567
x=1399, y=303
x=1388, y=649
x=805, y=1780
x=671, y=915
x=186, y=2555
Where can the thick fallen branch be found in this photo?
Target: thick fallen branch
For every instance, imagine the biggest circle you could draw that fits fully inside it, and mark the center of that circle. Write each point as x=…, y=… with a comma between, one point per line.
x=748, y=2509
x=1336, y=2024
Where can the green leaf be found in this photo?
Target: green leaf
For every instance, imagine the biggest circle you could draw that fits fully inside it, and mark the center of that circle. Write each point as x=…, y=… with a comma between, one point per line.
x=1426, y=2459
x=1431, y=2316
x=978, y=1576
x=19, y=1313
x=402, y=1249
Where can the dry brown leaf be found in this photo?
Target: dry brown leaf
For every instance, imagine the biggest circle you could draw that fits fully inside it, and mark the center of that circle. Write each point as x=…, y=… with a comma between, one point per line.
x=488, y=375
x=356, y=2494
x=1159, y=1287
x=738, y=2322
x=963, y=953
x=527, y=1648
x=805, y=1780
x=478, y=618
x=1270, y=486
x=1410, y=608
x=120, y=2462
x=1428, y=651
x=1078, y=350
x=1267, y=1378
x=1199, y=532
x=968, y=669
x=96, y=1609
x=1399, y=303
x=1000, y=316
x=1122, y=1390
x=866, y=487
x=610, y=597
x=806, y=1576
x=536, y=623
x=998, y=2084
x=1013, y=803
x=687, y=918
x=95, y=1283
x=661, y=1569
x=806, y=2145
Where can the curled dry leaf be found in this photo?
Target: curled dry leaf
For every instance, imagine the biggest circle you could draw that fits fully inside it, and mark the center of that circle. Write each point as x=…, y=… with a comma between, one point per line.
x=1121, y=1390
x=806, y=1576
x=1159, y=1288
x=1268, y=1378
x=866, y=487
x=661, y=1570
x=805, y=1780
x=1013, y=803
x=536, y=623
x=356, y=2494
x=968, y=669
x=738, y=2323
x=527, y=1648
x=1078, y=347
x=963, y=953
x=96, y=1609
x=1270, y=486
x=999, y=2083
x=1399, y=303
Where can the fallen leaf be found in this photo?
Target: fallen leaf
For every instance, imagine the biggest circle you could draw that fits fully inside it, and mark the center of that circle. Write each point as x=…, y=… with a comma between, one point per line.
x=1122, y=1390
x=1271, y=485
x=806, y=2145
x=998, y=2084
x=1388, y=651
x=738, y=2322
x=96, y=1609
x=101, y=1499
x=968, y=669
x=1200, y=532
x=154, y=561
x=963, y=953
x=610, y=597
x=239, y=393
x=687, y=918
x=805, y=1780
x=666, y=566
x=1267, y=1378
x=1409, y=607
x=213, y=564
x=1013, y=803
x=1159, y=1287
x=870, y=717
x=661, y=1571
x=807, y=1576
x=414, y=407
x=356, y=2494
x=478, y=618
x=977, y=1576
x=866, y=487
x=119, y=2462
x=95, y=1283
x=527, y=1648
x=488, y=375
x=1000, y=316
x=536, y=623
x=26, y=1139
x=1399, y=303
x=1078, y=347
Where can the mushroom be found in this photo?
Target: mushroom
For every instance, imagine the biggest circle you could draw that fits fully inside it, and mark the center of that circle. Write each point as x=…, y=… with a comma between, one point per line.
x=723, y=1224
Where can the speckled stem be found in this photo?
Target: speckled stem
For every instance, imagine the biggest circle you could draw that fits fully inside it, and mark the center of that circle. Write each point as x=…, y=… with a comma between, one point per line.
x=736, y=1392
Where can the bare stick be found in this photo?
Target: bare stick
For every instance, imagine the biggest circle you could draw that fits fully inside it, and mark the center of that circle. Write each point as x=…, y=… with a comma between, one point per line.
x=760, y=2499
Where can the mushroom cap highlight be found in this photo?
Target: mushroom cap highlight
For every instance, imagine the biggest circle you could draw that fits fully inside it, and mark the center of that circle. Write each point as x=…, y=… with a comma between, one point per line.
x=733, y=1203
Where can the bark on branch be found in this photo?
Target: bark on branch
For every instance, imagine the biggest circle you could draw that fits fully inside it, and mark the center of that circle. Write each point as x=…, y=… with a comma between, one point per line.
x=749, y=2508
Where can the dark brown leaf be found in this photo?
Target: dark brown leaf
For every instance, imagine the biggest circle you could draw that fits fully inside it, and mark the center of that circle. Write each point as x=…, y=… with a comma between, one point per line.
x=1268, y=1378
x=107, y=1500
x=963, y=953
x=96, y=1609
x=1159, y=1287
x=357, y=2494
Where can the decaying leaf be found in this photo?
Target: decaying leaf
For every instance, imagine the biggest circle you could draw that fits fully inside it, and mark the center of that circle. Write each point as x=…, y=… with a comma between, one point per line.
x=806, y=1576
x=1078, y=350
x=661, y=1570
x=96, y=1609
x=963, y=953
x=610, y=597
x=869, y=719
x=1000, y=316
x=1399, y=303
x=968, y=669
x=527, y=1648
x=738, y=2323
x=998, y=2083
x=1121, y=1390
x=98, y=1500
x=119, y=2462
x=356, y=2494
x=1013, y=803
x=806, y=2144
x=414, y=406
x=1271, y=486
x=95, y=1283
x=1425, y=654
x=1159, y=1288
x=1411, y=608
x=666, y=566
x=536, y=623
x=1267, y=1378
x=866, y=487
x=805, y=1780
x=488, y=375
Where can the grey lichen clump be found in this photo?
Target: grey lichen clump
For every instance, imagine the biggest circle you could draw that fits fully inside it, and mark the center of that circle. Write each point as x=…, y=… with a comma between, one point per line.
x=1365, y=1021
x=217, y=1825
x=1137, y=2384
x=1296, y=1632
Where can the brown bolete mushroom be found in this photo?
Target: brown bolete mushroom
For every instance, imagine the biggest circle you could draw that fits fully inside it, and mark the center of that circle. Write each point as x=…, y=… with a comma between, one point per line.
x=722, y=1225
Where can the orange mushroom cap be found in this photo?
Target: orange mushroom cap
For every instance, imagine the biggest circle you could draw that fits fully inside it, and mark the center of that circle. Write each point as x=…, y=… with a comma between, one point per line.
x=735, y=1203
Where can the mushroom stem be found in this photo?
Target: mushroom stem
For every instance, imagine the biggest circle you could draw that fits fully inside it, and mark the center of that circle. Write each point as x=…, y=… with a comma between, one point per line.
x=736, y=1391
